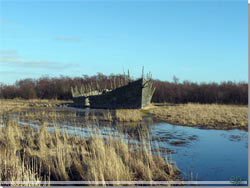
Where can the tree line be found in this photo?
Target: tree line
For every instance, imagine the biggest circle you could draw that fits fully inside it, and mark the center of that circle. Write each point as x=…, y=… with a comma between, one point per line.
x=205, y=93
x=166, y=92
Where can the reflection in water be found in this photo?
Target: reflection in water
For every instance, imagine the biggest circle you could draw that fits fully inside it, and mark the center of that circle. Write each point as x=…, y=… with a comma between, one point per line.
x=212, y=155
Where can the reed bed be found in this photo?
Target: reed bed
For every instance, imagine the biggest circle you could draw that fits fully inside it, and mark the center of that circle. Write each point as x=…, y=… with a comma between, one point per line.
x=20, y=105
x=120, y=115
x=49, y=115
x=93, y=115
x=28, y=154
x=203, y=115
x=33, y=110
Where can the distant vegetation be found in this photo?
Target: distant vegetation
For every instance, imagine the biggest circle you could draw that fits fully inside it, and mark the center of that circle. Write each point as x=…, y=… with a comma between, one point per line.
x=166, y=92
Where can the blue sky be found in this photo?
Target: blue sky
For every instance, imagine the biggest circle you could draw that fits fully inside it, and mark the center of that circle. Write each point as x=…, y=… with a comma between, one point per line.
x=200, y=41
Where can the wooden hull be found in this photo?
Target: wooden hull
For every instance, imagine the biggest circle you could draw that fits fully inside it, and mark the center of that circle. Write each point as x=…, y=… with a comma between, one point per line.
x=137, y=94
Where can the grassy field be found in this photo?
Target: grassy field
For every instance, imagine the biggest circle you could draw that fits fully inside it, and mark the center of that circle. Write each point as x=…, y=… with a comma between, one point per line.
x=213, y=116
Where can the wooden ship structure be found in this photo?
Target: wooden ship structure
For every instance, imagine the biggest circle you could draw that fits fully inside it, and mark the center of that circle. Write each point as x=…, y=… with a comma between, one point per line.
x=128, y=94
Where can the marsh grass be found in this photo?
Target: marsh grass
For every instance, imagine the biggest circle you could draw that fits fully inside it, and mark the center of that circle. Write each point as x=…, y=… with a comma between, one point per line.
x=128, y=115
x=19, y=105
x=93, y=115
x=120, y=115
x=32, y=110
x=204, y=115
x=38, y=155
x=48, y=115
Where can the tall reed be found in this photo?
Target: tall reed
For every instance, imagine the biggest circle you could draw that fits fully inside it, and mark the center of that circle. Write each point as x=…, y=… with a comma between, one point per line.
x=27, y=154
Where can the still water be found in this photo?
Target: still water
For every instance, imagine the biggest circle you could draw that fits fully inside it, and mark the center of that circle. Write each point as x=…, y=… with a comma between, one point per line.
x=200, y=154
x=211, y=155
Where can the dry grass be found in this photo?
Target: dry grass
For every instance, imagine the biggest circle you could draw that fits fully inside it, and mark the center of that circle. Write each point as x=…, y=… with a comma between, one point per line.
x=19, y=105
x=204, y=115
x=47, y=115
x=12, y=105
x=121, y=115
x=128, y=115
x=29, y=155
x=45, y=110
x=94, y=115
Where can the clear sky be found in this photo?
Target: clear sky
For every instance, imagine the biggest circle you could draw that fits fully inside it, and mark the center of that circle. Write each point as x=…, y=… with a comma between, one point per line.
x=200, y=41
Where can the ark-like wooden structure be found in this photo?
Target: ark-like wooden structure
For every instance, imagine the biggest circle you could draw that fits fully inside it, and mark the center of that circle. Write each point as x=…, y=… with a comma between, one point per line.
x=136, y=94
